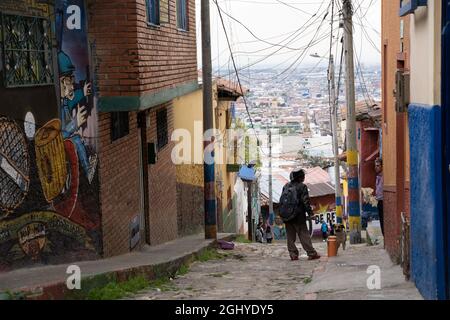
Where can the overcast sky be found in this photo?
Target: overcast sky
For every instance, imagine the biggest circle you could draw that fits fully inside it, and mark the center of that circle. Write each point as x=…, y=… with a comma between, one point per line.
x=291, y=24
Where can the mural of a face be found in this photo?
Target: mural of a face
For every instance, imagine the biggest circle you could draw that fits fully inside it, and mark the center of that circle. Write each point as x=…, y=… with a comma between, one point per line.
x=67, y=87
x=32, y=239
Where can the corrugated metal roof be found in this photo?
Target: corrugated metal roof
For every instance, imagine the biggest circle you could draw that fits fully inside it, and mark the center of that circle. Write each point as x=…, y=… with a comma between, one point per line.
x=317, y=180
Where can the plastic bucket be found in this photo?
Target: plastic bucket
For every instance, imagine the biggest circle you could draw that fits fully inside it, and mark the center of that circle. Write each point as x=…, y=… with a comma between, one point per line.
x=332, y=246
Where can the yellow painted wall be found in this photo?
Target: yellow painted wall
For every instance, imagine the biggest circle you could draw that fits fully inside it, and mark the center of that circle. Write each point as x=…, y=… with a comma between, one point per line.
x=225, y=179
x=187, y=110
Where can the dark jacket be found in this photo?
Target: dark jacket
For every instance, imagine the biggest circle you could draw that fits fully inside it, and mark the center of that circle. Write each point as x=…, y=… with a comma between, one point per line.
x=305, y=202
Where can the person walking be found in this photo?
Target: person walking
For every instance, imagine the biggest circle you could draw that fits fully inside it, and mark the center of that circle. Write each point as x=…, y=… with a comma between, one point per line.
x=294, y=205
x=379, y=191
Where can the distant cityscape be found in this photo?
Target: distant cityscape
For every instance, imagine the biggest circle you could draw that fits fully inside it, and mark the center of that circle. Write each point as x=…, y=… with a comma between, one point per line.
x=298, y=110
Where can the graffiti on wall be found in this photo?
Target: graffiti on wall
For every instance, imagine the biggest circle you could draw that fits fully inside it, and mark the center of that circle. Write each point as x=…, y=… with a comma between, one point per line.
x=325, y=212
x=49, y=188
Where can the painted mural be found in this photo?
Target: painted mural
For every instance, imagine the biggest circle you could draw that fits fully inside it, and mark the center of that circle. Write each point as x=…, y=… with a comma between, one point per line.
x=324, y=212
x=49, y=186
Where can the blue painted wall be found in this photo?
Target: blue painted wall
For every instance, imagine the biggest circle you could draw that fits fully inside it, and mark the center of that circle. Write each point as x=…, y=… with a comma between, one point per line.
x=427, y=202
x=446, y=109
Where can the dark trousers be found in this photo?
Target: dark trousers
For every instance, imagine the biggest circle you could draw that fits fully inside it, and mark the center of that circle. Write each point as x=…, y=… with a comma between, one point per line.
x=381, y=215
x=298, y=227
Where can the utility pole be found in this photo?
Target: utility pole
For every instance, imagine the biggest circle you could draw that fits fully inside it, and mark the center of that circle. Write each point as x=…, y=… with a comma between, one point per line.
x=352, y=149
x=250, y=211
x=334, y=121
x=271, y=213
x=208, y=167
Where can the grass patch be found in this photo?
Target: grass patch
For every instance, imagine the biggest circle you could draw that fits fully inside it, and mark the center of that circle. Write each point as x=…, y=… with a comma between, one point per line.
x=307, y=280
x=209, y=254
x=114, y=290
x=184, y=269
x=242, y=239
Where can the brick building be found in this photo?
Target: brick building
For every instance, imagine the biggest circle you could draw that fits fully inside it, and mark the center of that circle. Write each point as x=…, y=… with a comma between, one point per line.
x=85, y=125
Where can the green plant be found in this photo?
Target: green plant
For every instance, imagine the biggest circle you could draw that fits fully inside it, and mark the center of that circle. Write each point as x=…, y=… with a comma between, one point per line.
x=307, y=280
x=209, y=254
x=183, y=270
x=114, y=290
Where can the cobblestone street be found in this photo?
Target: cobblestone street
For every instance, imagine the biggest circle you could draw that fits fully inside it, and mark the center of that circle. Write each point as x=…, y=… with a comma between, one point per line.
x=265, y=272
x=250, y=271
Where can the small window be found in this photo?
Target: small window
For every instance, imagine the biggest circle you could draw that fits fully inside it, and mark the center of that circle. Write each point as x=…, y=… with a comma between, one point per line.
x=182, y=14
x=27, y=51
x=153, y=12
x=161, y=128
x=120, y=126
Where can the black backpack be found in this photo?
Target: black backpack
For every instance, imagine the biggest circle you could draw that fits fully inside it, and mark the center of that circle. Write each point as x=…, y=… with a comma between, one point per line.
x=289, y=202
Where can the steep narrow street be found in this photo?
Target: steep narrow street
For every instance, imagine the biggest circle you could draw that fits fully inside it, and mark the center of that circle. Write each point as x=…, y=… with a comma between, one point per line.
x=262, y=271
x=250, y=271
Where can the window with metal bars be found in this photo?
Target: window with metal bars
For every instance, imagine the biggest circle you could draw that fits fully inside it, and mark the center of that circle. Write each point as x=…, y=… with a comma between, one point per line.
x=162, y=128
x=27, y=51
x=182, y=14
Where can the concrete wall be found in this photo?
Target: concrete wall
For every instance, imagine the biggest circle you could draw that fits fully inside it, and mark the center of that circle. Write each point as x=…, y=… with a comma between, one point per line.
x=427, y=212
x=188, y=110
x=425, y=119
x=426, y=54
x=395, y=54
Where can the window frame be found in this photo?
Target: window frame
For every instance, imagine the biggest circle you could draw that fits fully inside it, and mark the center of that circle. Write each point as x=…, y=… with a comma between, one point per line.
x=162, y=128
x=186, y=15
x=156, y=3
x=122, y=129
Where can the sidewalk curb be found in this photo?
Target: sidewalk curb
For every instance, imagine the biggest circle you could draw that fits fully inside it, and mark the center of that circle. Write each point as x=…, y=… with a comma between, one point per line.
x=59, y=290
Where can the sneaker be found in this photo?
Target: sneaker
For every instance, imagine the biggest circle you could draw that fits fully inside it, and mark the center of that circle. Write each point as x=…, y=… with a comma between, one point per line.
x=315, y=257
x=294, y=258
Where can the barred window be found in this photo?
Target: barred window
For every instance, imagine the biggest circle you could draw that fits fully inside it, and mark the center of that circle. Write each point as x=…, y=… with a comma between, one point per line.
x=161, y=128
x=27, y=51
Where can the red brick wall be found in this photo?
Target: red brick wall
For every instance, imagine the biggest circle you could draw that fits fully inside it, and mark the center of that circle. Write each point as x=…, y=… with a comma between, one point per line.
x=119, y=184
x=162, y=185
x=392, y=225
x=133, y=57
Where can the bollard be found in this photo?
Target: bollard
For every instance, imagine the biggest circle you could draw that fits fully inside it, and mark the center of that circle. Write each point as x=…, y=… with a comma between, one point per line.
x=332, y=246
